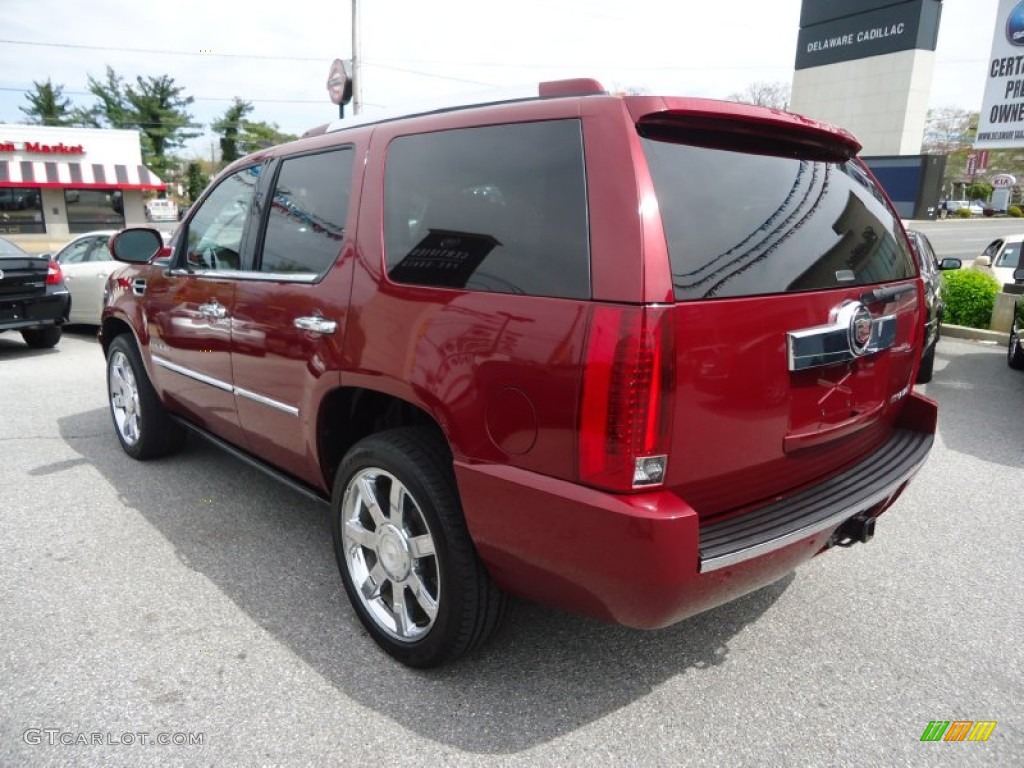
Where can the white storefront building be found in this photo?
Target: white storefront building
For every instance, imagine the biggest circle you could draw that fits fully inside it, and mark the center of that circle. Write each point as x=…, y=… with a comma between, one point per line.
x=56, y=182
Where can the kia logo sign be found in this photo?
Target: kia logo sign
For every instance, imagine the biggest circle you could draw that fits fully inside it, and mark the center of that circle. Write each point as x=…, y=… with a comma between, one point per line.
x=1015, y=25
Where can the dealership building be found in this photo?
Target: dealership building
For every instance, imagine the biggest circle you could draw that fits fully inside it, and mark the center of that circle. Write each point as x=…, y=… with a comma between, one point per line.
x=56, y=182
x=867, y=65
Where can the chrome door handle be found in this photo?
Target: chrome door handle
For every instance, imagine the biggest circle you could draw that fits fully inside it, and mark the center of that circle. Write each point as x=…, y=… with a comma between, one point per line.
x=214, y=309
x=315, y=324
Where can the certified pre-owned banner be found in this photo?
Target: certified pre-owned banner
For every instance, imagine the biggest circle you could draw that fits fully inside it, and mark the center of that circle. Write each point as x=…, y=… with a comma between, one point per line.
x=1001, y=124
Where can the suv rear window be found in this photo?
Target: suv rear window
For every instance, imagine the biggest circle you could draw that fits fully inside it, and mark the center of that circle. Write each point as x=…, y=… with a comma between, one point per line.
x=740, y=224
x=496, y=208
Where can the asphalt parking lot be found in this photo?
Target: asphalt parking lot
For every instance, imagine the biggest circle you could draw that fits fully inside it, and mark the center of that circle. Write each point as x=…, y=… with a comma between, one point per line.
x=194, y=601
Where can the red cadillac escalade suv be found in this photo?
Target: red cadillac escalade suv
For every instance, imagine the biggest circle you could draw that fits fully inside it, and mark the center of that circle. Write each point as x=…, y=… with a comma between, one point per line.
x=632, y=356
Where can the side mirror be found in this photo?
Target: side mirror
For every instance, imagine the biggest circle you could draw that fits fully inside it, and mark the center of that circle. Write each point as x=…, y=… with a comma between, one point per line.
x=1018, y=275
x=983, y=261
x=135, y=246
x=947, y=264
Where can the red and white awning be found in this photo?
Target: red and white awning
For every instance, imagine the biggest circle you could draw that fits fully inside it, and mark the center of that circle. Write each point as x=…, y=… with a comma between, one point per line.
x=26, y=173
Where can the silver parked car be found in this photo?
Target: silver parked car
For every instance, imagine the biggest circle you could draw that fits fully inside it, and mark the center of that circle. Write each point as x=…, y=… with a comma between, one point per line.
x=86, y=263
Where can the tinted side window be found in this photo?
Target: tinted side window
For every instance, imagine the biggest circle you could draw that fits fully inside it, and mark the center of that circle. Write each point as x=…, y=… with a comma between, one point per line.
x=739, y=224
x=498, y=208
x=308, y=207
x=215, y=232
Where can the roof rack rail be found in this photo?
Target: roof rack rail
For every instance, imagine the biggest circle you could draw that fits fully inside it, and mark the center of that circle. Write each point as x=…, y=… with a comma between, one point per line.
x=552, y=89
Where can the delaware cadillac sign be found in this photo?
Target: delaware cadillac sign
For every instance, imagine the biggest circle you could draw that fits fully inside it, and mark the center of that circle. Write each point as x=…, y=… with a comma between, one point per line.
x=833, y=32
x=1001, y=123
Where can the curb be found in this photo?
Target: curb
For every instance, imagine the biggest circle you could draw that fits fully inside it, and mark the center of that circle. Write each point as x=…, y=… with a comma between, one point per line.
x=975, y=334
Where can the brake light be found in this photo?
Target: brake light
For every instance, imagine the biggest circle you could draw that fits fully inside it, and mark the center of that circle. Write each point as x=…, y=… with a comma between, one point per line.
x=625, y=415
x=53, y=274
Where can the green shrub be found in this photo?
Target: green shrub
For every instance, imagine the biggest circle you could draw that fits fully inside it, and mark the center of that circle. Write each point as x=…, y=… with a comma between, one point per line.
x=969, y=296
x=963, y=213
x=1015, y=211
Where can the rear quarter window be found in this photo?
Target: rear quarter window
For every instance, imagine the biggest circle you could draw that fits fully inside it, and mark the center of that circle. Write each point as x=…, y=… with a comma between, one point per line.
x=739, y=224
x=495, y=208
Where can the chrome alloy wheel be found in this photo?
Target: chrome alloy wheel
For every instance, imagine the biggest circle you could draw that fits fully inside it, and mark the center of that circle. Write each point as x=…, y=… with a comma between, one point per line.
x=124, y=397
x=389, y=553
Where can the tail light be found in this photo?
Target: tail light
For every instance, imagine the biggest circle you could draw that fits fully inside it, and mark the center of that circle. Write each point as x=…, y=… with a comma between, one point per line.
x=53, y=274
x=625, y=415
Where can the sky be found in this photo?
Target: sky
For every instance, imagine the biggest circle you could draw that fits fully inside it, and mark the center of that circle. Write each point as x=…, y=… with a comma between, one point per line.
x=277, y=55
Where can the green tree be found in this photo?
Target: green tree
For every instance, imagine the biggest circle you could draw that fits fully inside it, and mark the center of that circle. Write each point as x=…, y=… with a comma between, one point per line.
x=196, y=181
x=979, y=190
x=257, y=135
x=153, y=105
x=229, y=126
x=111, y=111
x=47, y=105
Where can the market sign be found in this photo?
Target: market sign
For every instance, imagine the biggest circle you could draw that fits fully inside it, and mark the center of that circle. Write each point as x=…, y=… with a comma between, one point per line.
x=833, y=32
x=30, y=147
x=1001, y=123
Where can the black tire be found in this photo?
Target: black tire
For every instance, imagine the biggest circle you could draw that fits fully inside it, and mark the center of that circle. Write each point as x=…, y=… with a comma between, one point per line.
x=446, y=576
x=144, y=429
x=1015, y=350
x=924, y=373
x=42, y=338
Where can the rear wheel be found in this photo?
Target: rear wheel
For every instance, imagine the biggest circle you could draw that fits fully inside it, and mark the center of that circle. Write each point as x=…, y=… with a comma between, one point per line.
x=1015, y=351
x=405, y=555
x=144, y=428
x=42, y=338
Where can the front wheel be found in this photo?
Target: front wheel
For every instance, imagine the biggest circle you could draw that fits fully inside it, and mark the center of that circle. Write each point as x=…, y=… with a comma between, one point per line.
x=409, y=566
x=144, y=429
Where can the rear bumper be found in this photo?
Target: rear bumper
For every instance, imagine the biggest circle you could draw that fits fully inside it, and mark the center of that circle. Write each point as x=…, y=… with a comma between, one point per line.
x=645, y=560
x=18, y=312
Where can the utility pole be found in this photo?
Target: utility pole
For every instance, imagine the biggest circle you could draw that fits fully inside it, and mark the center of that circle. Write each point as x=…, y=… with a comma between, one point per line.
x=357, y=79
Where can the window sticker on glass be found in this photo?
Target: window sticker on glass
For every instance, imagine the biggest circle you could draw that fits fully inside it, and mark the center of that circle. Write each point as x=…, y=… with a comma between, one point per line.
x=444, y=258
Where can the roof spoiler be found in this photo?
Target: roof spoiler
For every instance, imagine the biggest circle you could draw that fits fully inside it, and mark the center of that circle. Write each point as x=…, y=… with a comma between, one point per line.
x=742, y=128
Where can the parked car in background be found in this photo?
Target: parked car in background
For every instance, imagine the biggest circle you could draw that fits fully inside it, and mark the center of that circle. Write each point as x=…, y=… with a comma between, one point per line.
x=86, y=263
x=33, y=297
x=515, y=350
x=976, y=207
x=1001, y=258
x=931, y=271
x=161, y=210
